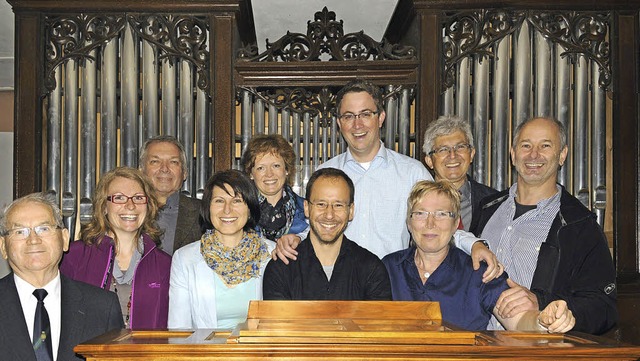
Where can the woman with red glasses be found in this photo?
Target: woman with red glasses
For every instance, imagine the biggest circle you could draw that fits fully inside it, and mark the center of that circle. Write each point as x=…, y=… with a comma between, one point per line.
x=118, y=249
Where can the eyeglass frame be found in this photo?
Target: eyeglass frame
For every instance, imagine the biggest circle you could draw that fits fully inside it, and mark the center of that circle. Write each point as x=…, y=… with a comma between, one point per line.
x=358, y=116
x=437, y=215
x=146, y=198
x=319, y=205
x=445, y=150
x=8, y=232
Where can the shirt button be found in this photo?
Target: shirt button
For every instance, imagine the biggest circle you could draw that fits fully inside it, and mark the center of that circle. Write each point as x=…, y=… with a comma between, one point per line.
x=509, y=228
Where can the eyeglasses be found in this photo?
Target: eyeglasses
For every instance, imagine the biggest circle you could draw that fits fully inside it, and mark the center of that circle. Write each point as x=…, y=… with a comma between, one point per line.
x=458, y=148
x=437, y=215
x=337, y=206
x=365, y=115
x=122, y=199
x=44, y=230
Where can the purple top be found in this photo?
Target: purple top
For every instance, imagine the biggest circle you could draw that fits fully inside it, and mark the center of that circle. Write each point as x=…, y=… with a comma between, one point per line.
x=150, y=286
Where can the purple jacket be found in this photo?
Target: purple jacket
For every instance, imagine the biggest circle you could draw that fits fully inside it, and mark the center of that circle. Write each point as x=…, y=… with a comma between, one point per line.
x=150, y=287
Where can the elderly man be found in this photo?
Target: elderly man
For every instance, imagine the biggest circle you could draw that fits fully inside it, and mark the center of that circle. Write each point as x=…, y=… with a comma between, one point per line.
x=329, y=266
x=383, y=179
x=44, y=313
x=448, y=145
x=163, y=160
x=551, y=245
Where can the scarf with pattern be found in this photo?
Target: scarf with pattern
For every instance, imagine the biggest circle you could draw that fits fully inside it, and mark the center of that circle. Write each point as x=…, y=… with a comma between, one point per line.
x=234, y=265
x=276, y=221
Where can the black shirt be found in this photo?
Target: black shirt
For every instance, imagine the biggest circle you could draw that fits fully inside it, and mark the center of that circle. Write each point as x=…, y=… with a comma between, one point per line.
x=357, y=275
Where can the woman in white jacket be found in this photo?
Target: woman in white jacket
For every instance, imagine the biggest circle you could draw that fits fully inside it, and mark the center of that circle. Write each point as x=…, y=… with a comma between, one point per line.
x=213, y=280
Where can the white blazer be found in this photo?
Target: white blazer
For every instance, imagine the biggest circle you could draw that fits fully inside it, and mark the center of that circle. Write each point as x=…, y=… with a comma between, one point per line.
x=192, y=293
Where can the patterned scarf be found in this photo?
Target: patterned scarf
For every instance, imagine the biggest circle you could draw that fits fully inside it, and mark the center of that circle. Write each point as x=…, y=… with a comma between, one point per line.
x=234, y=265
x=276, y=221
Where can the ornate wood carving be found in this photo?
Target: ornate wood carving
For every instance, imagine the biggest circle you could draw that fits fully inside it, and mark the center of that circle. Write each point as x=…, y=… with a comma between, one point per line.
x=325, y=35
x=176, y=36
x=474, y=32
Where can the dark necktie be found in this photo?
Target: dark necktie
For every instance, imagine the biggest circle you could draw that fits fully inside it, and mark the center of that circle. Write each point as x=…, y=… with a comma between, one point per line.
x=42, y=329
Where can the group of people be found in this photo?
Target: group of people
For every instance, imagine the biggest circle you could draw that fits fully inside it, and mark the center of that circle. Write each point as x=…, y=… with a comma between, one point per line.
x=374, y=225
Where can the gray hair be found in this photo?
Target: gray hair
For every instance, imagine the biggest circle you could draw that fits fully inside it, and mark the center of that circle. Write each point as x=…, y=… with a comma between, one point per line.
x=445, y=125
x=562, y=130
x=162, y=139
x=39, y=197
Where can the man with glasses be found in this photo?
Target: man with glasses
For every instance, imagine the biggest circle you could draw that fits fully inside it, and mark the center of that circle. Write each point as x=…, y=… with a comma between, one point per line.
x=383, y=180
x=164, y=162
x=329, y=266
x=44, y=315
x=550, y=244
x=448, y=145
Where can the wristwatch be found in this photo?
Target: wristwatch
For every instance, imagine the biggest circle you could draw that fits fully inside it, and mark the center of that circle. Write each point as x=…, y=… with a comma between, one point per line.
x=483, y=242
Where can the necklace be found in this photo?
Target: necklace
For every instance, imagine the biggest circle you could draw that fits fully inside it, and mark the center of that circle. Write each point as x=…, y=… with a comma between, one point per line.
x=424, y=271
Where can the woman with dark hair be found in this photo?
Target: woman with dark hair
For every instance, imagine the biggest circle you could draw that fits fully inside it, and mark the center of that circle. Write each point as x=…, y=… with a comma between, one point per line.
x=269, y=161
x=118, y=249
x=213, y=280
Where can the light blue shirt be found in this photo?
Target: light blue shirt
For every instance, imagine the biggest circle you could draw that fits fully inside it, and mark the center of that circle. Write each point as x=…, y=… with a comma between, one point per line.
x=516, y=242
x=232, y=303
x=379, y=220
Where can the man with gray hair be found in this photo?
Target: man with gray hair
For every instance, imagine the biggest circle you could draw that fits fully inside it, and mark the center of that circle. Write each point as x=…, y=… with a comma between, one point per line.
x=448, y=145
x=44, y=313
x=164, y=162
x=550, y=244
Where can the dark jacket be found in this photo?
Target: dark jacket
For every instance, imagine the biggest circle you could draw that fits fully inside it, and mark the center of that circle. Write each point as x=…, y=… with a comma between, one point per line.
x=479, y=191
x=188, y=223
x=357, y=275
x=150, y=287
x=574, y=264
x=86, y=312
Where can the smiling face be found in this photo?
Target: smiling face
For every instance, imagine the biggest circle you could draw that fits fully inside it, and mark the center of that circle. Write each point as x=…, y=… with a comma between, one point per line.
x=125, y=219
x=328, y=225
x=362, y=136
x=229, y=214
x=163, y=166
x=36, y=258
x=537, y=154
x=269, y=175
x=432, y=236
x=451, y=166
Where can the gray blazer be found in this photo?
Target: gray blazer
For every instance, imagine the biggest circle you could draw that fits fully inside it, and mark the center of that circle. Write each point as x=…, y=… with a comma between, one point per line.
x=188, y=224
x=87, y=312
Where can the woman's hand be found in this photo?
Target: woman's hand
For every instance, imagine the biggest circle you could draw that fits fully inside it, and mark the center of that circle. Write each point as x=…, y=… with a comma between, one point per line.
x=286, y=248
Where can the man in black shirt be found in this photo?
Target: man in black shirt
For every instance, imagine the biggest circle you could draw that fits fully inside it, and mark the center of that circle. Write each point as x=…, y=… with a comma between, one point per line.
x=329, y=266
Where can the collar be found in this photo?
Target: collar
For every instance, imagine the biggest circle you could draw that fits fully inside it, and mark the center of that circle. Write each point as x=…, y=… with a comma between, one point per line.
x=173, y=200
x=382, y=154
x=543, y=204
x=465, y=190
x=147, y=244
x=310, y=252
x=25, y=289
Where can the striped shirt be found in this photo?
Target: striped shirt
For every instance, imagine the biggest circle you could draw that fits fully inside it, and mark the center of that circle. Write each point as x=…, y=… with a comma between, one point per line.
x=516, y=242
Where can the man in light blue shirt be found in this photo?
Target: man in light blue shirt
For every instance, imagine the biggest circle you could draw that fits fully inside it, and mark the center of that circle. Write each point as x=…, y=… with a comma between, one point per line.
x=383, y=179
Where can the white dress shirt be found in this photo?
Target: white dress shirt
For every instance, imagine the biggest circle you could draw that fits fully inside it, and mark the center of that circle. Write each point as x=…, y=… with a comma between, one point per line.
x=52, y=303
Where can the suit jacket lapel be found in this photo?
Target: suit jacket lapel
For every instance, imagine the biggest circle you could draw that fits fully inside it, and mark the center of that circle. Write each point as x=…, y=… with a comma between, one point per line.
x=186, y=233
x=14, y=332
x=72, y=315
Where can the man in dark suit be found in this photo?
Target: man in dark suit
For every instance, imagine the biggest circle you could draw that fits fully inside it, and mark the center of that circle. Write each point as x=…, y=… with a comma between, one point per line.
x=164, y=161
x=32, y=239
x=448, y=145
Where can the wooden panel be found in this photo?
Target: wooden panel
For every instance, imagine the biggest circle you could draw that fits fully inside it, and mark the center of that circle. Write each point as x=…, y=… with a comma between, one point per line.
x=27, y=146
